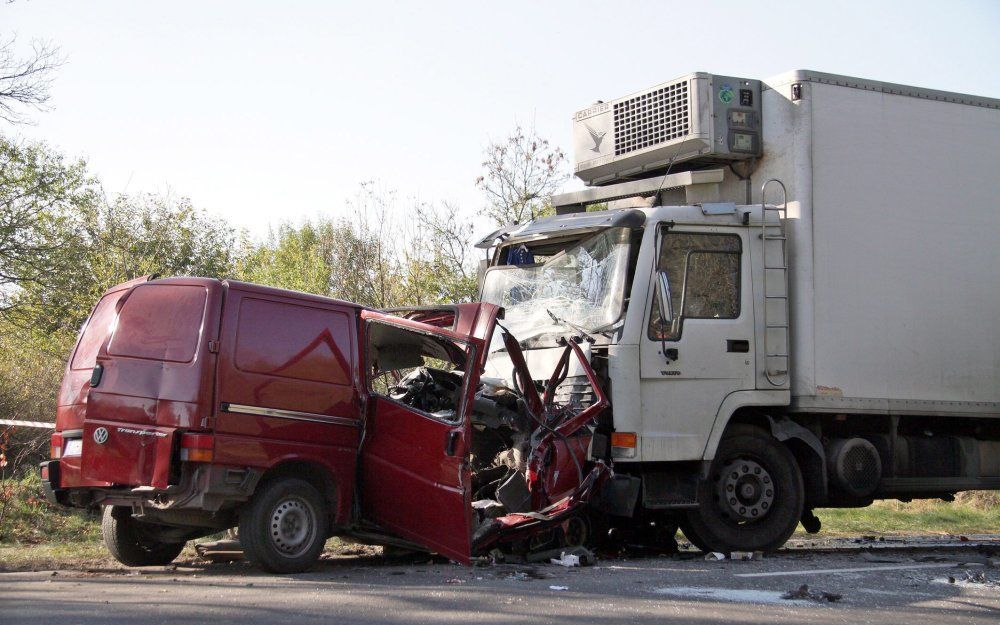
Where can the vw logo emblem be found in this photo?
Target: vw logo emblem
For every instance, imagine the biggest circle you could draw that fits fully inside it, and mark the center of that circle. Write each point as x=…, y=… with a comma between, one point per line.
x=101, y=436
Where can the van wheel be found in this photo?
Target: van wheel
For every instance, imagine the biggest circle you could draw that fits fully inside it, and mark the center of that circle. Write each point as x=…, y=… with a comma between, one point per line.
x=284, y=527
x=753, y=497
x=132, y=542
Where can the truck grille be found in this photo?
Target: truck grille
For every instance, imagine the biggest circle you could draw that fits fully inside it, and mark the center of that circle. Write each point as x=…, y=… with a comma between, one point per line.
x=650, y=118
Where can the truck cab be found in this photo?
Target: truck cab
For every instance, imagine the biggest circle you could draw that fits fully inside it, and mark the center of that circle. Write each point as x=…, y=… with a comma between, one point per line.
x=675, y=378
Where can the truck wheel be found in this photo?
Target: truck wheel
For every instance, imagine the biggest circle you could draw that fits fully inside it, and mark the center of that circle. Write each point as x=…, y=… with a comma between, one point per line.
x=284, y=527
x=753, y=497
x=692, y=536
x=133, y=542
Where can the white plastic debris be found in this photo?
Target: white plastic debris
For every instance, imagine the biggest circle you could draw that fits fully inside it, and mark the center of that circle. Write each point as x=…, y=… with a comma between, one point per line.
x=567, y=560
x=715, y=556
x=558, y=587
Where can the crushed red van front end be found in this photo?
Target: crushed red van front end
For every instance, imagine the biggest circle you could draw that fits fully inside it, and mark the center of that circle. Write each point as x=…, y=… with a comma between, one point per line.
x=192, y=405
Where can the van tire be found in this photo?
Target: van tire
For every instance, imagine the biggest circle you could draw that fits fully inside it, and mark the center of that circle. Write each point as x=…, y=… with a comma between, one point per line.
x=759, y=476
x=132, y=542
x=284, y=527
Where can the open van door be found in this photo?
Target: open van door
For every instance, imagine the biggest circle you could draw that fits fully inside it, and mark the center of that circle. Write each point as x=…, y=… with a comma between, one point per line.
x=415, y=478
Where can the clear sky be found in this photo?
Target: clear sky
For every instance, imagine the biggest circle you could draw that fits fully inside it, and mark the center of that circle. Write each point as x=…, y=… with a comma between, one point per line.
x=264, y=111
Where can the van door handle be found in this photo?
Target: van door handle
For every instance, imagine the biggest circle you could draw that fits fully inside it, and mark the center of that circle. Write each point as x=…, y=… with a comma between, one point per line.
x=451, y=442
x=739, y=346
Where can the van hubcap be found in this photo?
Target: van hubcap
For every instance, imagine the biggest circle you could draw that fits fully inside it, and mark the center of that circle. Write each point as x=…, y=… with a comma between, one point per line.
x=292, y=527
x=746, y=489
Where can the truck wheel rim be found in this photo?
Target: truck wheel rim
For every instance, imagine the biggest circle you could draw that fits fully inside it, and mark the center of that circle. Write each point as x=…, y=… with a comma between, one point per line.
x=746, y=490
x=292, y=527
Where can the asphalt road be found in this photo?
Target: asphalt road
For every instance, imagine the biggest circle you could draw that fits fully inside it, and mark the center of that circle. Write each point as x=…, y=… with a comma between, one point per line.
x=884, y=587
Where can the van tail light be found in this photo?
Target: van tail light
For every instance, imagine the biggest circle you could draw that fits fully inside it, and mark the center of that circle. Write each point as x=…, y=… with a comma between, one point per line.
x=55, y=446
x=623, y=444
x=197, y=447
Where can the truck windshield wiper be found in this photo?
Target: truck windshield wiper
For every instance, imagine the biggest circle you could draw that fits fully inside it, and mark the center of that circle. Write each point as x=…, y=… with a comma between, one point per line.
x=585, y=333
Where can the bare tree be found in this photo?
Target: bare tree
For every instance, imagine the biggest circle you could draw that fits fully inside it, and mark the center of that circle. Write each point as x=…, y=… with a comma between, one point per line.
x=519, y=173
x=25, y=82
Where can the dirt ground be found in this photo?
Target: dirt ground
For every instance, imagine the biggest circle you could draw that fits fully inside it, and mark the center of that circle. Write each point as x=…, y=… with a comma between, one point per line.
x=922, y=580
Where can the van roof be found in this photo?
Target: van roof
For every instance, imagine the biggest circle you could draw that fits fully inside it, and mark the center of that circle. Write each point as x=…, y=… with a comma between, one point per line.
x=270, y=290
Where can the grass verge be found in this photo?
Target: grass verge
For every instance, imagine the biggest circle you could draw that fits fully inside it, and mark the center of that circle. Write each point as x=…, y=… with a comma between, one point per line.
x=970, y=513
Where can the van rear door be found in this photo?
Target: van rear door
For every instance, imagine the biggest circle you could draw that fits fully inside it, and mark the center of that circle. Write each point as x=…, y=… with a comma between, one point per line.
x=153, y=379
x=415, y=480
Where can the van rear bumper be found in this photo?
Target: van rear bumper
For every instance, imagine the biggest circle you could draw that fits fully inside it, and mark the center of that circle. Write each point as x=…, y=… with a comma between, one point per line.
x=204, y=487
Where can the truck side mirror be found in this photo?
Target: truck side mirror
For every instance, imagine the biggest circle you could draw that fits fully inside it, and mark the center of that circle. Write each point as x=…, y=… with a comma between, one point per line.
x=663, y=292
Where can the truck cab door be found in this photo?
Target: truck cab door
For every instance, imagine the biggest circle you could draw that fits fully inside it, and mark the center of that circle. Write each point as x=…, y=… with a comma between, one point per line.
x=701, y=350
x=414, y=477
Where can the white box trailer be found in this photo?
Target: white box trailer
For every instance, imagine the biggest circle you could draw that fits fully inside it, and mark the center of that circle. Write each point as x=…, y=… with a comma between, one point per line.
x=826, y=346
x=893, y=220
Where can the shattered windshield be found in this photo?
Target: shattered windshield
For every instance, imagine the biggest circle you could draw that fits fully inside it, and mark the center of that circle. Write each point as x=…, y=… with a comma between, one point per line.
x=583, y=285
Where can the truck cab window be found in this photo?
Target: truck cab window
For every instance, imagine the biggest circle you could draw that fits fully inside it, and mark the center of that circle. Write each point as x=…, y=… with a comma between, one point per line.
x=703, y=273
x=419, y=370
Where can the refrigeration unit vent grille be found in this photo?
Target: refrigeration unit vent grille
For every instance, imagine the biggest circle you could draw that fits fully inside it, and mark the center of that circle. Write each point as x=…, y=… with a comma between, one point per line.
x=651, y=118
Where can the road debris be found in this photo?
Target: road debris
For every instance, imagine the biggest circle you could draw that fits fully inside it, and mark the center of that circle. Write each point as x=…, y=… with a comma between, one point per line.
x=558, y=587
x=577, y=556
x=803, y=592
x=974, y=577
x=225, y=550
x=746, y=555
x=714, y=556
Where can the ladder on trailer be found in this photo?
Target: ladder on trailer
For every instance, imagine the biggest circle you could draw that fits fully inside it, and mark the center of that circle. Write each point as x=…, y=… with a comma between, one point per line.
x=775, y=282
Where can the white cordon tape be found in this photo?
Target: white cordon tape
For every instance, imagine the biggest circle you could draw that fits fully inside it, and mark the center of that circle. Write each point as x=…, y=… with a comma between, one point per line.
x=28, y=424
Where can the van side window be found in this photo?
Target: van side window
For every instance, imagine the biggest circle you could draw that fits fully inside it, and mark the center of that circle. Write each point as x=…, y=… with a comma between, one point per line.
x=293, y=341
x=95, y=331
x=419, y=370
x=703, y=273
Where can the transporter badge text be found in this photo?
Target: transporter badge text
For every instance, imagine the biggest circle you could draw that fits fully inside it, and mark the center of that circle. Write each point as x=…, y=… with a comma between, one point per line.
x=136, y=432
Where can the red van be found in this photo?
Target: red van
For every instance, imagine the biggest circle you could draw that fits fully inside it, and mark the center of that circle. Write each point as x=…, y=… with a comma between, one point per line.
x=192, y=405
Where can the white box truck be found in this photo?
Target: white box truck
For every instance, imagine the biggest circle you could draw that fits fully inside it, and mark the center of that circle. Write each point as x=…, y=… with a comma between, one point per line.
x=791, y=289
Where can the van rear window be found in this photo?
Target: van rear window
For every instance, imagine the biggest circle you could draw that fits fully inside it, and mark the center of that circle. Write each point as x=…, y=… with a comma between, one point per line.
x=291, y=341
x=95, y=331
x=160, y=322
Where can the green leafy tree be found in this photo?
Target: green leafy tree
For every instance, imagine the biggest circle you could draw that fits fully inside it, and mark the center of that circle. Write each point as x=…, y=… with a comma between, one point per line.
x=41, y=197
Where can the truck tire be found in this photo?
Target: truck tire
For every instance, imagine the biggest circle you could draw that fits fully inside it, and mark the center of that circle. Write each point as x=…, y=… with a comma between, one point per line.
x=692, y=536
x=284, y=527
x=753, y=497
x=133, y=542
